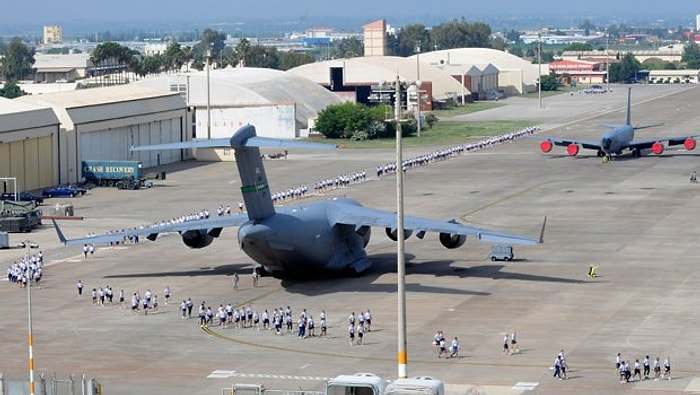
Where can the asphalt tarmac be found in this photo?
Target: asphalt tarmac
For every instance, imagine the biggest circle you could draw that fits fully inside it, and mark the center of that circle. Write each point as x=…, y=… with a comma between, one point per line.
x=633, y=218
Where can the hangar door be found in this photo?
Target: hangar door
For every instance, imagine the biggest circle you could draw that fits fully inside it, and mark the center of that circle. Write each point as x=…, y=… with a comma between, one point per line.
x=30, y=161
x=114, y=143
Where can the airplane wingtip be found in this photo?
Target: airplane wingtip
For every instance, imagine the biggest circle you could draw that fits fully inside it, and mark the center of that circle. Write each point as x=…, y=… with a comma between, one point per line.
x=60, y=234
x=544, y=224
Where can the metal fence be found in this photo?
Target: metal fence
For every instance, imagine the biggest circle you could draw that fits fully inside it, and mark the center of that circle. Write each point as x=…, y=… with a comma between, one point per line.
x=259, y=389
x=50, y=385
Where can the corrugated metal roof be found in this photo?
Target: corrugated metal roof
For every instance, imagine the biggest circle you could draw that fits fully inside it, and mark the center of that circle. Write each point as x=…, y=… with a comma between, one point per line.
x=97, y=104
x=44, y=62
x=15, y=115
x=475, y=56
x=249, y=86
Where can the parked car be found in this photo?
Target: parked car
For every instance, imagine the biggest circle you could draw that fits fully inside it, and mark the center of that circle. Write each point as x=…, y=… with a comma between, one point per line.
x=23, y=196
x=64, y=191
x=595, y=89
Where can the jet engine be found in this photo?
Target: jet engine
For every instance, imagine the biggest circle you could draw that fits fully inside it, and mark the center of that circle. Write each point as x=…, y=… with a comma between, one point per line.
x=657, y=148
x=546, y=146
x=365, y=232
x=689, y=144
x=199, y=238
x=394, y=236
x=572, y=149
x=452, y=241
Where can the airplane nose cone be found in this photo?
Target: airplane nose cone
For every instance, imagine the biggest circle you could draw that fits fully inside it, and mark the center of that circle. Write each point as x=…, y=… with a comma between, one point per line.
x=605, y=144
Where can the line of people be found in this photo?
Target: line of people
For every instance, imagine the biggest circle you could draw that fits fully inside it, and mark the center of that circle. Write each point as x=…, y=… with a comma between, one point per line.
x=441, y=345
x=626, y=374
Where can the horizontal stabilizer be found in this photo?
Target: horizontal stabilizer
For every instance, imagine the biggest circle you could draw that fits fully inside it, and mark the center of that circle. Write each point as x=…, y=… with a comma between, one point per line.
x=243, y=137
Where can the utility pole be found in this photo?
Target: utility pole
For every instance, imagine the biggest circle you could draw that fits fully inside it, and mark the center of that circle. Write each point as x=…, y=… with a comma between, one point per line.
x=539, y=69
x=400, y=255
x=208, y=96
x=418, y=83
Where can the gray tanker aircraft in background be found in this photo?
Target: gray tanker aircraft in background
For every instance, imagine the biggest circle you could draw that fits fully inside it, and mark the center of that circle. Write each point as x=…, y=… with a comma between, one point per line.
x=618, y=139
x=300, y=239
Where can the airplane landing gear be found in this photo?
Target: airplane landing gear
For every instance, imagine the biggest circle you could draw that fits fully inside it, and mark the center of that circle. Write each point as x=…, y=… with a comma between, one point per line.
x=606, y=158
x=636, y=153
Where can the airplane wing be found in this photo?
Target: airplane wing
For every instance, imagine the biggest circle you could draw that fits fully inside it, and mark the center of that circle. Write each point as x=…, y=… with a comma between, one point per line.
x=364, y=216
x=588, y=144
x=152, y=231
x=647, y=144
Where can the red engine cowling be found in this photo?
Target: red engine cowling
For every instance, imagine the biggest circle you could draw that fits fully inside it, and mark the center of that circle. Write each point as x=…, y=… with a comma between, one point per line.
x=546, y=146
x=657, y=148
x=689, y=144
x=572, y=149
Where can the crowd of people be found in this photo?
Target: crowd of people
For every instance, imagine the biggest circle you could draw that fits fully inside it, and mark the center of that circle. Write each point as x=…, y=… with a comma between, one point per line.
x=628, y=373
x=28, y=269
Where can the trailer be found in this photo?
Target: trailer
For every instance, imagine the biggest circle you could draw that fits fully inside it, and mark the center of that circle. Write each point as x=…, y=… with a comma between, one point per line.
x=124, y=174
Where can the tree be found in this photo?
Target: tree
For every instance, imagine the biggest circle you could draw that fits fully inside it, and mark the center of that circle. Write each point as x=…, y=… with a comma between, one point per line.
x=691, y=55
x=261, y=56
x=350, y=48
x=174, y=57
x=17, y=62
x=342, y=120
x=111, y=53
x=411, y=38
x=11, y=90
x=291, y=59
x=548, y=83
x=460, y=34
x=578, y=47
x=625, y=70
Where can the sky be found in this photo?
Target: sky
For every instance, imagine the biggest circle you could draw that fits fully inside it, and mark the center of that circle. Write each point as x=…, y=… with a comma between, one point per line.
x=41, y=12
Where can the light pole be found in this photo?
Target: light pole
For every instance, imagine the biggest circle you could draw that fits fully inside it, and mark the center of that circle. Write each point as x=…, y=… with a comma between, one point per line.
x=418, y=88
x=28, y=245
x=208, y=96
x=607, y=59
x=539, y=69
x=400, y=256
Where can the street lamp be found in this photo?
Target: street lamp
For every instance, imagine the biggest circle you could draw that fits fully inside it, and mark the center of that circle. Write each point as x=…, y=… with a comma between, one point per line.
x=400, y=255
x=539, y=69
x=208, y=96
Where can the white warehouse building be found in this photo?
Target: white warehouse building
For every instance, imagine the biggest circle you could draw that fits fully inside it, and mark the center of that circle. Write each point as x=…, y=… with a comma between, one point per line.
x=28, y=145
x=103, y=123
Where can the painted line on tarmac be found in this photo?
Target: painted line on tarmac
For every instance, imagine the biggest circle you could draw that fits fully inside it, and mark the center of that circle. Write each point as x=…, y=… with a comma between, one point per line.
x=225, y=374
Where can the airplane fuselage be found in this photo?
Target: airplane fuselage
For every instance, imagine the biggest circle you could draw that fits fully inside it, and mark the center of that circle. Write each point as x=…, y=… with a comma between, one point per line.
x=615, y=140
x=300, y=240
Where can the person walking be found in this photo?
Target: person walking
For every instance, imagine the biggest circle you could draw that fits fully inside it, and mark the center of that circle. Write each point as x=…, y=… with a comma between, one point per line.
x=657, y=369
x=667, y=369
x=80, y=288
x=646, y=367
x=514, y=346
x=454, y=348
x=557, y=367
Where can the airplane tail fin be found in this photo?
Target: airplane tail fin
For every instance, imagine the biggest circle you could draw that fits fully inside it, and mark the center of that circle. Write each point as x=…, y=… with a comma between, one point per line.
x=245, y=142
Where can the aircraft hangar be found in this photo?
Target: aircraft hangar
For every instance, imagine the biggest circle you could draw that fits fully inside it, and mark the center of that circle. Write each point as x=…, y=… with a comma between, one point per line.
x=102, y=123
x=516, y=75
x=28, y=144
x=353, y=78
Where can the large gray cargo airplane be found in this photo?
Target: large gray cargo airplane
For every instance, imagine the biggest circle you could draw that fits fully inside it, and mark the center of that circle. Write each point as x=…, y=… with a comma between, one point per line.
x=300, y=239
x=618, y=139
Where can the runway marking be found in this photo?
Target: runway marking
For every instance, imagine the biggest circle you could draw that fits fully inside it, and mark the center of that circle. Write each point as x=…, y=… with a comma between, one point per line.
x=525, y=386
x=503, y=199
x=221, y=374
x=225, y=374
